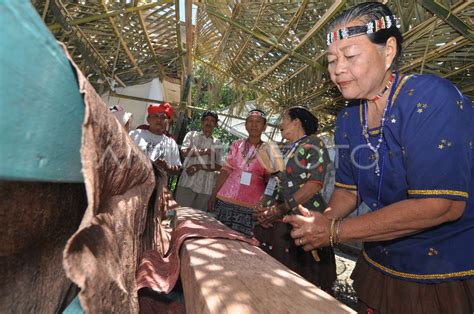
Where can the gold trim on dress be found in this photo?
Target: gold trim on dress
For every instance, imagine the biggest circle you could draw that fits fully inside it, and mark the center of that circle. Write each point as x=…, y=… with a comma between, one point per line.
x=346, y=186
x=399, y=87
x=438, y=192
x=416, y=276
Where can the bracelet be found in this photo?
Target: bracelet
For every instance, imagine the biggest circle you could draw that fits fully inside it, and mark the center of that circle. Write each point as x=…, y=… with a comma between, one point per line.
x=292, y=203
x=338, y=231
x=331, y=232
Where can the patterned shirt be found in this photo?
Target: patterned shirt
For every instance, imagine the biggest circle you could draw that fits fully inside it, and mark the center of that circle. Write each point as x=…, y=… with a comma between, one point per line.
x=306, y=163
x=202, y=181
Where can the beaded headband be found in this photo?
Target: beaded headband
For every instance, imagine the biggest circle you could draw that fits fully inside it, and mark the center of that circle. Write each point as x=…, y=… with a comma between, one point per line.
x=256, y=113
x=385, y=22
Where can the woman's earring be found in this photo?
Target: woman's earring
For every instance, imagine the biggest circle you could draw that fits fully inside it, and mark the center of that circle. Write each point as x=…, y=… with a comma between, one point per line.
x=387, y=65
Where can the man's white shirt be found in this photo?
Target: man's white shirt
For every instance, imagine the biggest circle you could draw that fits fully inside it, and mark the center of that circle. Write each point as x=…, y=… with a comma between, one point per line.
x=202, y=181
x=157, y=146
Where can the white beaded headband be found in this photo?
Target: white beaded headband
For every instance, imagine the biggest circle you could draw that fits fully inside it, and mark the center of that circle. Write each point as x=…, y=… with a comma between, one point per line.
x=256, y=113
x=384, y=22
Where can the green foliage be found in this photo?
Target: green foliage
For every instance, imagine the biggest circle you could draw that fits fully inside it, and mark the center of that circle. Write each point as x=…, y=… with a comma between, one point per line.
x=205, y=95
x=224, y=137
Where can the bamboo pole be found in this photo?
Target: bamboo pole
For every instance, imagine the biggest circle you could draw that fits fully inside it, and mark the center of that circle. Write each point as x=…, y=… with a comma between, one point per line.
x=189, y=46
x=228, y=115
x=178, y=40
x=148, y=100
x=224, y=39
x=176, y=105
x=243, y=47
x=293, y=20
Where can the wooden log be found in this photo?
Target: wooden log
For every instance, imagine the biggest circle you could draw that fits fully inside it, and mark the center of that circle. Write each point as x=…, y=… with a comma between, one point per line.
x=228, y=276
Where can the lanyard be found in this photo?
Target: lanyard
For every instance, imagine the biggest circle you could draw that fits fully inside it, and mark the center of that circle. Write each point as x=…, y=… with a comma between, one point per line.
x=293, y=148
x=246, y=152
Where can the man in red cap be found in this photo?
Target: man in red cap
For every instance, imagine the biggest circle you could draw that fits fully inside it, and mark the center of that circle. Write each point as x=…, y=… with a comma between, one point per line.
x=161, y=149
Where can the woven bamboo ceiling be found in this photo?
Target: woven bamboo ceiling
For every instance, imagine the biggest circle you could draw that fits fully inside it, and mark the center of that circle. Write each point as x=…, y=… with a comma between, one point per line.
x=118, y=42
x=273, y=47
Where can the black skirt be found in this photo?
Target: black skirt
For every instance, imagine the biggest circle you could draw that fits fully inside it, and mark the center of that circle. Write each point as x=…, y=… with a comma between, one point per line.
x=278, y=243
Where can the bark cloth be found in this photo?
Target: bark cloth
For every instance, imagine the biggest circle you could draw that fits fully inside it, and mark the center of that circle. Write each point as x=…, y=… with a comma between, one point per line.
x=58, y=237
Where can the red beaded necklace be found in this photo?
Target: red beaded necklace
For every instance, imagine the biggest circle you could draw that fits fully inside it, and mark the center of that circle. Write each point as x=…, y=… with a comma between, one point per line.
x=387, y=87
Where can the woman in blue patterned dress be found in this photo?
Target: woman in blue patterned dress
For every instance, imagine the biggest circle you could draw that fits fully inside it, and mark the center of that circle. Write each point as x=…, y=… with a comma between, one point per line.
x=406, y=150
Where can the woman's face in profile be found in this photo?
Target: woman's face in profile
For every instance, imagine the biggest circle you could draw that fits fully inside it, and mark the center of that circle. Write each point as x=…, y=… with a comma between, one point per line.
x=287, y=126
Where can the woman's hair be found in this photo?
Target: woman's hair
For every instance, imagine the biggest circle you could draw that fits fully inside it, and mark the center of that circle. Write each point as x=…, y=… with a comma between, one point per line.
x=371, y=11
x=308, y=121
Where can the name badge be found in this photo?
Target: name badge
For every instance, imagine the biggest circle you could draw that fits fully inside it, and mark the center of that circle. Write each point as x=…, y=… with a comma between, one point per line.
x=270, y=187
x=245, y=178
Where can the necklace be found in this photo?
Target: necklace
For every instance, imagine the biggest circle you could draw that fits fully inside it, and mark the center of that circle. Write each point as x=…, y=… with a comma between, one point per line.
x=365, y=128
x=386, y=88
x=384, y=149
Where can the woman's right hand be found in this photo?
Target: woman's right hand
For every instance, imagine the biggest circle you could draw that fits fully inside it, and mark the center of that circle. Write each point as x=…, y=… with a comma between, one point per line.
x=211, y=204
x=267, y=215
x=259, y=213
x=310, y=229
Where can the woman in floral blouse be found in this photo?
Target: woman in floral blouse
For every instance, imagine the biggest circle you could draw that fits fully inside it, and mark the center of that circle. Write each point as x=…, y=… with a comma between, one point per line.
x=306, y=160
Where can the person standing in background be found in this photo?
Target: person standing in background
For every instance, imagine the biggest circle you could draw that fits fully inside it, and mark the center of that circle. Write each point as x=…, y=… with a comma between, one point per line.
x=161, y=149
x=204, y=155
x=301, y=182
x=242, y=179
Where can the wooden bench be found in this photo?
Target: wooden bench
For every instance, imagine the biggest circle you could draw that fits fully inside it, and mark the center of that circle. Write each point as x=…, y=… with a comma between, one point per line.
x=228, y=276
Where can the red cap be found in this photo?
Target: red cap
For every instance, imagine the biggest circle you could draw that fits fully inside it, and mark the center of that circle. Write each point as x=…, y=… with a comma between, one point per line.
x=159, y=108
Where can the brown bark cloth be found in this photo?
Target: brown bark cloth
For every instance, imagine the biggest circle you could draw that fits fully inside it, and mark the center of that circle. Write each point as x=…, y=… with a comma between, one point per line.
x=37, y=218
x=160, y=272
x=104, y=242
x=102, y=256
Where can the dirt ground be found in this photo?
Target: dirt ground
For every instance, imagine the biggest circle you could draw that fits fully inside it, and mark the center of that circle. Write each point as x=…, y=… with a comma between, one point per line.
x=343, y=288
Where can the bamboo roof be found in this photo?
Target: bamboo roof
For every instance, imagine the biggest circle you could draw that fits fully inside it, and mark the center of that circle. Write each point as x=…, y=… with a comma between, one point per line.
x=119, y=43
x=276, y=48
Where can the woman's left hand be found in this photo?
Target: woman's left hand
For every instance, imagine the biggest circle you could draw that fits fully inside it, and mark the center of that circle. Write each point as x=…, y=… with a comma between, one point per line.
x=310, y=229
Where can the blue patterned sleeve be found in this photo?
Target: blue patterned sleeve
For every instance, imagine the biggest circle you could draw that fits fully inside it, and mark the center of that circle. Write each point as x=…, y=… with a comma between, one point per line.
x=437, y=140
x=344, y=173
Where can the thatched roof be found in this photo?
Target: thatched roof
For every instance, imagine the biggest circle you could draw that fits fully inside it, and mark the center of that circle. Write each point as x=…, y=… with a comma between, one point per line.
x=273, y=47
